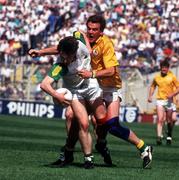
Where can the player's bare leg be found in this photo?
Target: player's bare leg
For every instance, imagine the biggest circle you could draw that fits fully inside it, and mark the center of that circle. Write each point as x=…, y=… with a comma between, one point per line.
x=84, y=135
x=66, y=152
x=160, y=123
x=115, y=128
x=170, y=124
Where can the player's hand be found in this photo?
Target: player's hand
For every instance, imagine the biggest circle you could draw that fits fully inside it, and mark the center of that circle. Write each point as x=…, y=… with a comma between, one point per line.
x=34, y=53
x=170, y=97
x=85, y=73
x=60, y=97
x=66, y=103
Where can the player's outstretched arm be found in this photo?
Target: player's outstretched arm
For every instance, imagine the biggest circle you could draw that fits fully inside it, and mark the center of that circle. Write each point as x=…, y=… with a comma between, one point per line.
x=42, y=52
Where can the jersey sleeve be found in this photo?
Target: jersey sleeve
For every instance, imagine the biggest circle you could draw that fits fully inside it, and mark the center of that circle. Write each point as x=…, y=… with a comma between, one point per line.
x=79, y=36
x=154, y=83
x=56, y=72
x=175, y=82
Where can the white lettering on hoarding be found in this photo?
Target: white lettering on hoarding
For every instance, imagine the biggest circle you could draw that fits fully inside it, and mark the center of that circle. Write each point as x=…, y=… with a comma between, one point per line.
x=21, y=108
x=12, y=106
x=51, y=112
x=31, y=109
x=42, y=110
x=130, y=114
x=27, y=109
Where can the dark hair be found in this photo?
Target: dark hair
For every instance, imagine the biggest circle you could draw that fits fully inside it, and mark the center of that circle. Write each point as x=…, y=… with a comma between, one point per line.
x=68, y=45
x=97, y=19
x=165, y=63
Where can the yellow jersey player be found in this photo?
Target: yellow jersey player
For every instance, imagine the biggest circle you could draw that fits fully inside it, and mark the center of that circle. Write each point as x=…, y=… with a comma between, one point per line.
x=105, y=68
x=166, y=82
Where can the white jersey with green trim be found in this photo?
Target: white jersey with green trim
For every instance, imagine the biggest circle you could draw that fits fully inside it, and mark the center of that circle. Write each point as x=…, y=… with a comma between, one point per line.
x=72, y=80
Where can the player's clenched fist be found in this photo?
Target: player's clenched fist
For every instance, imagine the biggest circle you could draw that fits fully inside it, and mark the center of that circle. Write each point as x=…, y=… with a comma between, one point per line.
x=34, y=52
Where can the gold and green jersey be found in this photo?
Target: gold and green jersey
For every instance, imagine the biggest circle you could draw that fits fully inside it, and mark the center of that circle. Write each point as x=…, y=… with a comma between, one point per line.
x=69, y=74
x=57, y=71
x=79, y=36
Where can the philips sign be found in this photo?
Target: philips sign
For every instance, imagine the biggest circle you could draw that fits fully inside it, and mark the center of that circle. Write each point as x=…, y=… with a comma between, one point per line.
x=34, y=109
x=30, y=109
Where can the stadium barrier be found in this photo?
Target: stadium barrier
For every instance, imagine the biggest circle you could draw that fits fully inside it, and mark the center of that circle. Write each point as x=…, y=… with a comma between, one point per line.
x=38, y=109
x=30, y=108
x=152, y=118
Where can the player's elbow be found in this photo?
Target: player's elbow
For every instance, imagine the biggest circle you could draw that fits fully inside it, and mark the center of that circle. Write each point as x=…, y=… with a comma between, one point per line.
x=43, y=86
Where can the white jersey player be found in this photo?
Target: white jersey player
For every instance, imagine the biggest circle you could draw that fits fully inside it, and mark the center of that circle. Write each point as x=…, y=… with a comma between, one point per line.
x=74, y=56
x=80, y=87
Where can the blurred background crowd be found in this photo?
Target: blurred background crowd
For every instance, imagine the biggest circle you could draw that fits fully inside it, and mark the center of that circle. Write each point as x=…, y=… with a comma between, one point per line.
x=143, y=32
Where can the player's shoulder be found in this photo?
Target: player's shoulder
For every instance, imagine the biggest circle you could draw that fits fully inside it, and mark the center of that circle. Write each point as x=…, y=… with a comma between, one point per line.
x=105, y=38
x=105, y=41
x=170, y=73
x=157, y=75
x=81, y=46
x=79, y=36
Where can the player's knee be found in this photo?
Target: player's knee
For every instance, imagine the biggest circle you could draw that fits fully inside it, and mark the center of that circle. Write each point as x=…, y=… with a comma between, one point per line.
x=69, y=115
x=160, y=122
x=84, y=126
x=101, y=120
x=116, y=129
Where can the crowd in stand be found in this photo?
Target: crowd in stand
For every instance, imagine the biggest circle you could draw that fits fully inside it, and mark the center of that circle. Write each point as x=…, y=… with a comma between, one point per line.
x=143, y=31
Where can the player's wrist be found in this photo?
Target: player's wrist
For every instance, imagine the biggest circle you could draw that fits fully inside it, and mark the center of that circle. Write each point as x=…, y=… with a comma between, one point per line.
x=40, y=53
x=93, y=74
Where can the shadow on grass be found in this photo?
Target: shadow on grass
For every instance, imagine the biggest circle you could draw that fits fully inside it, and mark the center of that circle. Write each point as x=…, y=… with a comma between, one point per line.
x=80, y=165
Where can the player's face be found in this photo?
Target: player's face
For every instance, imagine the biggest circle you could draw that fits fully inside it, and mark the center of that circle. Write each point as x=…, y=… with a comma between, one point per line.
x=164, y=70
x=93, y=32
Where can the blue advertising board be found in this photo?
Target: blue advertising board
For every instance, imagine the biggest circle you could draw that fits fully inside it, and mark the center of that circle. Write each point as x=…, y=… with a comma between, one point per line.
x=129, y=114
x=28, y=108
x=37, y=109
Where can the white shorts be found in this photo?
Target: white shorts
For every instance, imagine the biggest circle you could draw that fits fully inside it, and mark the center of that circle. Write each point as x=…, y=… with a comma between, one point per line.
x=168, y=105
x=89, y=91
x=111, y=94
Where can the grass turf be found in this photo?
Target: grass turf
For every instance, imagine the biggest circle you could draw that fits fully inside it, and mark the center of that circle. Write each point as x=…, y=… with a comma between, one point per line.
x=28, y=144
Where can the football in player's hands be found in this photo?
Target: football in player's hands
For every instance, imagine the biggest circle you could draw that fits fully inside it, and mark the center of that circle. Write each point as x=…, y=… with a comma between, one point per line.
x=68, y=95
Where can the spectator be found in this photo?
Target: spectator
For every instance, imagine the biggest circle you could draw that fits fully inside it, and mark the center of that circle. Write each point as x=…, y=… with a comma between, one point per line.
x=24, y=24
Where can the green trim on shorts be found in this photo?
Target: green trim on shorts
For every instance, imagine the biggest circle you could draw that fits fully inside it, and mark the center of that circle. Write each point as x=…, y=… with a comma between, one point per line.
x=56, y=72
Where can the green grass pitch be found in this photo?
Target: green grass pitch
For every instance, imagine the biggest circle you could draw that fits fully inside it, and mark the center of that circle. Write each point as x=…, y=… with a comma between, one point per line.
x=28, y=144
